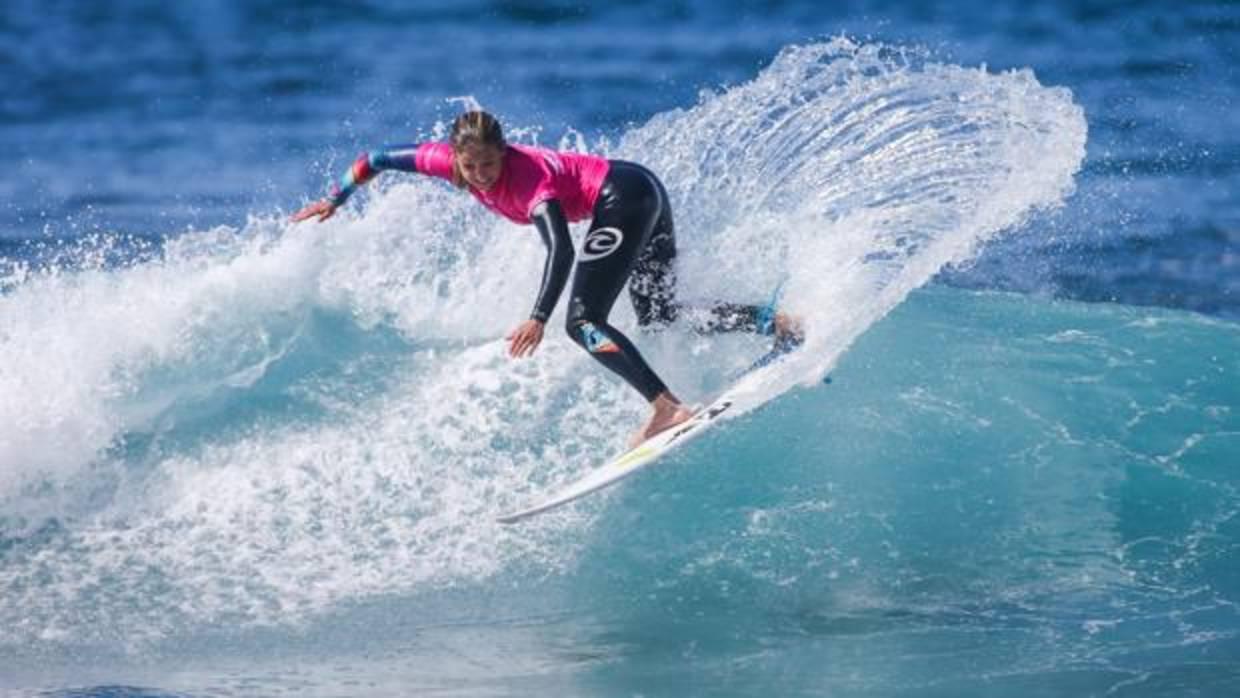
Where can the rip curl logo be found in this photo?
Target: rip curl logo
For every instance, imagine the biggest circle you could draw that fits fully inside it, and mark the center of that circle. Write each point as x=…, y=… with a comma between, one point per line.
x=597, y=342
x=600, y=243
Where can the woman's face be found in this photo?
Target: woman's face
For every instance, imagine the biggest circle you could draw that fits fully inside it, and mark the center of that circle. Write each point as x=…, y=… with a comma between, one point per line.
x=480, y=165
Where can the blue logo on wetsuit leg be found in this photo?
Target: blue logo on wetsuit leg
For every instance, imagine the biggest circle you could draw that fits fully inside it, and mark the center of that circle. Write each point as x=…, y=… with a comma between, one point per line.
x=595, y=340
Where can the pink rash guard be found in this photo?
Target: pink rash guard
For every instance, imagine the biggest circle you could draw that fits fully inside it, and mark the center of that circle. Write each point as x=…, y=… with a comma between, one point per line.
x=529, y=177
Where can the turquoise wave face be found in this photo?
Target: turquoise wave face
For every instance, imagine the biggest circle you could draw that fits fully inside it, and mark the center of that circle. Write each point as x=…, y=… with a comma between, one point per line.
x=1033, y=483
x=992, y=488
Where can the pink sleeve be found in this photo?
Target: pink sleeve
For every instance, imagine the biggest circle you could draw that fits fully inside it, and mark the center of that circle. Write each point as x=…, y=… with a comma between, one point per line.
x=540, y=168
x=435, y=159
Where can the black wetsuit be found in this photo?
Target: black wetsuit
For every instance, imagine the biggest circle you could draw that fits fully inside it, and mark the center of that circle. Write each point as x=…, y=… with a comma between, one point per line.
x=631, y=238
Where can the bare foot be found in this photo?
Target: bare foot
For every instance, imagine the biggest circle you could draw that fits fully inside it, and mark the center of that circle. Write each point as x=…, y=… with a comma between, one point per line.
x=789, y=327
x=668, y=412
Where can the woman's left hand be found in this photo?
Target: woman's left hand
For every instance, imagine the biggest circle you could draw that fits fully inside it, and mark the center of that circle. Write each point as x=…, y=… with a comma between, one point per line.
x=525, y=338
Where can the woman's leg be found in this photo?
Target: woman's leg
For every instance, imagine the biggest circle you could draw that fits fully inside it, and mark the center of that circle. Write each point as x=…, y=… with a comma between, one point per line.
x=624, y=219
x=652, y=288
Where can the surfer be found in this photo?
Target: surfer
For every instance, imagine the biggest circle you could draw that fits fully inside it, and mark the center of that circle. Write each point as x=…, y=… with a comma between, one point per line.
x=631, y=238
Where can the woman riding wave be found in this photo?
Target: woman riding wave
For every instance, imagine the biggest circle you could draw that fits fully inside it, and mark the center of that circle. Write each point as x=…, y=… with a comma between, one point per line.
x=631, y=238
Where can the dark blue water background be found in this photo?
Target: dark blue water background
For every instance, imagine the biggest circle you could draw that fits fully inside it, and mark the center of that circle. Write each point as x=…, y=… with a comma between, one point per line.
x=150, y=118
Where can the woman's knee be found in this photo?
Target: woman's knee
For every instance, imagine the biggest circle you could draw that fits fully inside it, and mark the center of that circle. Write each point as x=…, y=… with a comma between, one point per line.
x=572, y=327
x=577, y=324
x=594, y=337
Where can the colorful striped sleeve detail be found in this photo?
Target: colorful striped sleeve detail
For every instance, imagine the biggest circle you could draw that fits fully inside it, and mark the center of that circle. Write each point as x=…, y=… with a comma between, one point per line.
x=395, y=157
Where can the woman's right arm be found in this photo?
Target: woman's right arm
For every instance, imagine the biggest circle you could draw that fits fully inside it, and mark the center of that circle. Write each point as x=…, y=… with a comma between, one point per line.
x=367, y=165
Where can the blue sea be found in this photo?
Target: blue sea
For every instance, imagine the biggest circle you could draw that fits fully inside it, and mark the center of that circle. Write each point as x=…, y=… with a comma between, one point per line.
x=240, y=457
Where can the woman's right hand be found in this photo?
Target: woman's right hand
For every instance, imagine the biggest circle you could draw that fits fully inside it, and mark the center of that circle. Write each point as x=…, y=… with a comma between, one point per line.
x=321, y=208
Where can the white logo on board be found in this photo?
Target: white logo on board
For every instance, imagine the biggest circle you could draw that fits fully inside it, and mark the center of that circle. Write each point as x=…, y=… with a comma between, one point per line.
x=600, y=243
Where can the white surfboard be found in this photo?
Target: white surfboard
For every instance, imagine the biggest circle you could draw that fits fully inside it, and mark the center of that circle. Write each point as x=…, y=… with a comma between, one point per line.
x=630, y=461
x=738, y=399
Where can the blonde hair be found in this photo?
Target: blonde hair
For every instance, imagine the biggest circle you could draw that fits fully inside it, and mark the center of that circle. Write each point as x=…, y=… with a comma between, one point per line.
x=474, y=128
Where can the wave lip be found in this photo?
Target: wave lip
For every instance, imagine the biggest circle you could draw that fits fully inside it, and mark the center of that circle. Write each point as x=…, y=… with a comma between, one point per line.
x=856, y=172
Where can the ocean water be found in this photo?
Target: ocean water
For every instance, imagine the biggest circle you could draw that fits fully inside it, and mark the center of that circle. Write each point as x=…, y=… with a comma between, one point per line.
x=239, y=457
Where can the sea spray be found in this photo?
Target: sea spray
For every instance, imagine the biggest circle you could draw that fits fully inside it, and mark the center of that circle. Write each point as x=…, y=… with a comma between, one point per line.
x=157, y=480
x=856, y=172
